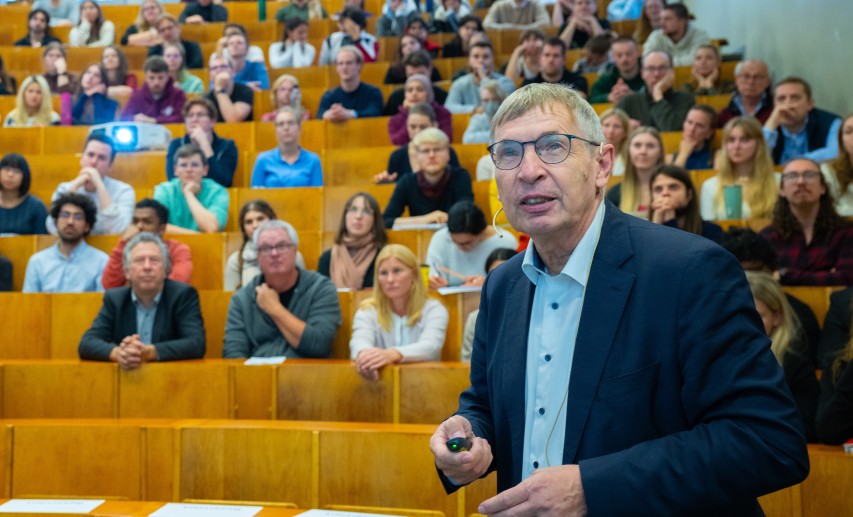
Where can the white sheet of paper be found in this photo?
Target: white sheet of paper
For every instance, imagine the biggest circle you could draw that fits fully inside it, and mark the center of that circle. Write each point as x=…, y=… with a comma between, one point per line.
x=50, y=505
x=427, y=226
x=333, y=513
x=255, y=361
x=205, y=510
x=460, y=289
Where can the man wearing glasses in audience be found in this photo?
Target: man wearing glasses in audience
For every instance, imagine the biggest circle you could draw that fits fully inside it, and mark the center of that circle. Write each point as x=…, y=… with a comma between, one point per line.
x=70, y=265
x=232, y=100
x=619, y=367
x=170, y=32
x=813, y=242
x=657, y=105
x=199, y=120
x=286, y=310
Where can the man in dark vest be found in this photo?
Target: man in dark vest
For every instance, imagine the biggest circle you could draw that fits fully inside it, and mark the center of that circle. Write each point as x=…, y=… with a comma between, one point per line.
x=796, y=128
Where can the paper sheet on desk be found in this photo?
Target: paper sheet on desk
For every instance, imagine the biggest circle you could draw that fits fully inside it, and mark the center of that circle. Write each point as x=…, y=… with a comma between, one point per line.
x=50, y=505
x=205, y=510
x=333, y=513
x=255, y=361
x=428, y=226
x=460, y=289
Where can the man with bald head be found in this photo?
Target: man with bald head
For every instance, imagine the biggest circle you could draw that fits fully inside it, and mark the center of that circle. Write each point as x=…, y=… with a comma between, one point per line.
x=752, y=97
x=619, y=367
x=657, y=105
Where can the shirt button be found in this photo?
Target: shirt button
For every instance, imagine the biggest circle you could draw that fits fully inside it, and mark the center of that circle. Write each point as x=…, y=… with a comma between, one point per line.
x=547, y=357
x=536, y=464
x=555, y=306
x=542, y=411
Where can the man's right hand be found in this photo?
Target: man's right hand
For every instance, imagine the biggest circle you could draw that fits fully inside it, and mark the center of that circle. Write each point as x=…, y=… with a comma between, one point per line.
x=461, y=467
x=618, y=92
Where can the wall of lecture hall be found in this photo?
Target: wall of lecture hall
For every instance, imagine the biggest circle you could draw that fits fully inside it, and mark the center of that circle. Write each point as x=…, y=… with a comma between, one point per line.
x=809, y=38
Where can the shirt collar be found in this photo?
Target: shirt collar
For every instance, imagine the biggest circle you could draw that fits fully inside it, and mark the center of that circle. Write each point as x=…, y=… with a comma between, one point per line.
x=578, y=265
x=75, y=253
x=790, y=134
x=137, y=303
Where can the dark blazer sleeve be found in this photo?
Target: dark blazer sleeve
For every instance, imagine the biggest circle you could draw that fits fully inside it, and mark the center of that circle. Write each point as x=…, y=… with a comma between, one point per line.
x=398, y=201
x=178, y=326
x=99, y=340
x=223, y=163
x=170, y=157
x=325, y=262
x=801, y=379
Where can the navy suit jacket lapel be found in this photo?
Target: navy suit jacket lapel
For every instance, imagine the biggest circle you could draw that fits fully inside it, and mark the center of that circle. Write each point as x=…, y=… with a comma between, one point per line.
x=516, y=324
x=605, y=300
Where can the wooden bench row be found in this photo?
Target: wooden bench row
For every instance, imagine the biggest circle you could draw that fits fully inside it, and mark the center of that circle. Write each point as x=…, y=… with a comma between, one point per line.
x=424, y=393
x=49, y=326
x=304, y=464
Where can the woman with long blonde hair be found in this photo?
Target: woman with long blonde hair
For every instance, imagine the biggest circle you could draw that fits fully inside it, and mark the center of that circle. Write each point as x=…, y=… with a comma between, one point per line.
x=645, y=154
x=33, y=105
x=398, y=323
x=744, y=160
x=143, y=32
x=788, y=344
x=616, y=125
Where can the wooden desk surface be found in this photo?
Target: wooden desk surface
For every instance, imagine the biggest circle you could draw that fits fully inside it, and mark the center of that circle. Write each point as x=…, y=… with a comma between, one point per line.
x=144, y=508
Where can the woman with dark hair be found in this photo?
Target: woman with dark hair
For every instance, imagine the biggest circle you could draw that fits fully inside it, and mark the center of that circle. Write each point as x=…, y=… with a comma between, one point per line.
x=418, y=90
x=8, y=84
x=495, y=259
x=361, y=234
x=675, y=203
x=293, y=51
x=396, y=73
x=119, y=79
x=419, y=29
x=838, y=173
x=91, y=105
x=457, y=252
x=92, y=30
x=461, y=44
x=20, y=212
x=242, y=265
x=399, y=323
x=352, y=22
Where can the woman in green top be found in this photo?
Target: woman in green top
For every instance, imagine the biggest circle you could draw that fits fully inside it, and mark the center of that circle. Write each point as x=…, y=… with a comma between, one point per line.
x=174, y=56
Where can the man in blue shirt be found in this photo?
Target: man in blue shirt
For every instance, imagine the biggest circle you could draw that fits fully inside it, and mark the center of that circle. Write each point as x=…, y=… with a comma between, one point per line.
x=70, y=265
x=353, y=98
x=796, y=128
x=251, y=73
x=154, y=319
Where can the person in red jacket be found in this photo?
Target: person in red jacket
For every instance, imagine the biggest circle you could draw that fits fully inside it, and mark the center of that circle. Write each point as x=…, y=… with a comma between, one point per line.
x=148, y=216
x=159, y=101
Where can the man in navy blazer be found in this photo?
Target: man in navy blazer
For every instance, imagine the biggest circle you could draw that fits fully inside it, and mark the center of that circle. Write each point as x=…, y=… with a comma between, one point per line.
x=154, y=319
x=648, y=385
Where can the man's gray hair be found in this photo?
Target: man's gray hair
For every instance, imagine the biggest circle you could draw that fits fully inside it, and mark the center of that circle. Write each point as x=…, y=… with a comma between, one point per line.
x=542, y=96
x=147, y=237
x=273, y=225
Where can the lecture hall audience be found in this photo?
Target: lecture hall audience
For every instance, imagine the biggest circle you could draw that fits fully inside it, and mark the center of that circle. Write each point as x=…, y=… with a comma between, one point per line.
x=200, y=121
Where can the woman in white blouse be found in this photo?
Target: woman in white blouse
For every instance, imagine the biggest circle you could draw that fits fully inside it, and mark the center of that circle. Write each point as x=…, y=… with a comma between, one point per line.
x=92, y=30
x=293, y=51
x=398, y=323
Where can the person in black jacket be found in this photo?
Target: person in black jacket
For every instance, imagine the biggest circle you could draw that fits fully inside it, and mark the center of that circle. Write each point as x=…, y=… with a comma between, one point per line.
x=199, y=119
x=433, y=188
x=154, y=319
x=170, y=32
x=835, y=407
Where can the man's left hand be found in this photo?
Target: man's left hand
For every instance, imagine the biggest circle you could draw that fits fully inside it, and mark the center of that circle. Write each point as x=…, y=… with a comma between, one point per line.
x=550, y=491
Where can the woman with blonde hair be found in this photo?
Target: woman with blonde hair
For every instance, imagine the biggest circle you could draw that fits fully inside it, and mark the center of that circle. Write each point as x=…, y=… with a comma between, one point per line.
x=705, y=73
x=285, y=92
x=143, y=32
x=398, y=323
x=839, y=172
x=788, y=344
x=33, y=105
x=175, y=57
x=645, y=155
x=743, y=160
x=616, y=125
x=649, y=20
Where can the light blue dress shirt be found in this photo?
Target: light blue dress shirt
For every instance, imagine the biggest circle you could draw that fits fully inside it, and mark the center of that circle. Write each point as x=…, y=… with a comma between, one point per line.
x=49, y=271
x=554, y=320
x=145, y=317
x=797, y=144
x=271, y=171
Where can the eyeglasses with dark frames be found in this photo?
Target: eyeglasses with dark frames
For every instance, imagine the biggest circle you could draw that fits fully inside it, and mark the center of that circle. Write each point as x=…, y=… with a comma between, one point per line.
x=552, y=148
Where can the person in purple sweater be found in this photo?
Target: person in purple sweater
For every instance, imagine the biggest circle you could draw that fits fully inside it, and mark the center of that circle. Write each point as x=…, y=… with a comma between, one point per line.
x=159, y=101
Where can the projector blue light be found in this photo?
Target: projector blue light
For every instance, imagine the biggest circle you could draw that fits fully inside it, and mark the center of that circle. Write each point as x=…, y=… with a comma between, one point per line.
x=135, y=136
